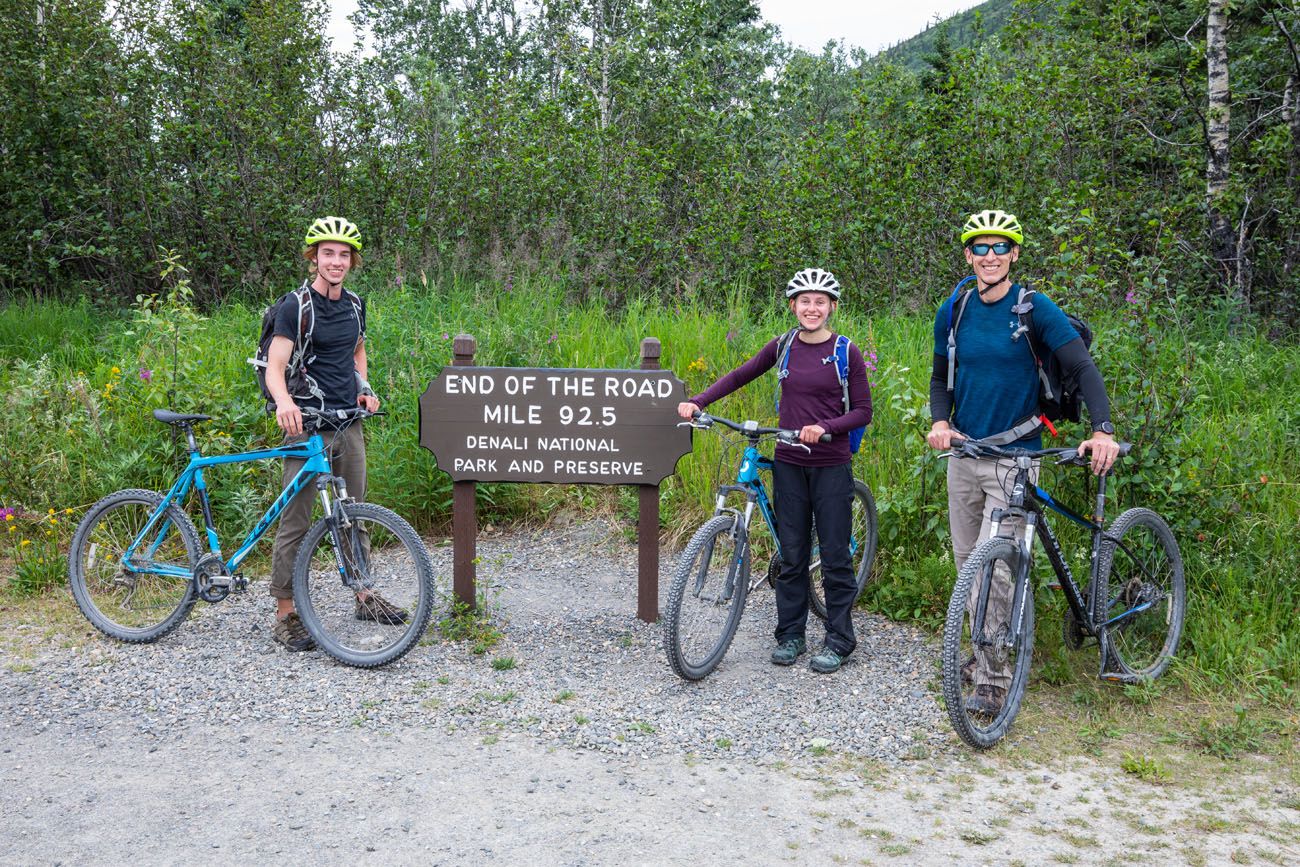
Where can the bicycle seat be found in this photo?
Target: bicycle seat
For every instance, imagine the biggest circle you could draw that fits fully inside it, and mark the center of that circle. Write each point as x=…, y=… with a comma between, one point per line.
x=166, y=416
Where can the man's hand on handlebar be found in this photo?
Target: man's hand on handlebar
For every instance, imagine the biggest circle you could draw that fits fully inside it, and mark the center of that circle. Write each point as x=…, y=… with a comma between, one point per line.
x=687, y=410
x=288, y=417
x=1104, y=450
x=941, y=436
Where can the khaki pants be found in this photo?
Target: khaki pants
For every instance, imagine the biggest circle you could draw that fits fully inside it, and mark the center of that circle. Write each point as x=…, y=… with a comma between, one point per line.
x=975, y=489
x=347, y=451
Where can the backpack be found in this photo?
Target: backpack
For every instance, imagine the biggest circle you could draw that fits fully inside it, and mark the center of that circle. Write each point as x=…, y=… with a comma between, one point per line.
x=302, y=386
x=841, y=370
x=1059, y=395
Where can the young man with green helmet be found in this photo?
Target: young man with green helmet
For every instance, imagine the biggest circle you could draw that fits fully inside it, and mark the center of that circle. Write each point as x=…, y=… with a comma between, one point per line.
x=985, y=385
x=336, y=379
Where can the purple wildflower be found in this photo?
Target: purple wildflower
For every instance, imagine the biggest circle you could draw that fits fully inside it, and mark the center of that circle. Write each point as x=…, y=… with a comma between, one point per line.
x=5, y=513
x=554, y=337
x=446, y=336
x=731, y=335
x=146, y=374
x=1131, y=297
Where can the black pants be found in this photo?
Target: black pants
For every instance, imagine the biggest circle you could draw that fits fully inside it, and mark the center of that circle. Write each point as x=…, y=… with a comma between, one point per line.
x=826, y=495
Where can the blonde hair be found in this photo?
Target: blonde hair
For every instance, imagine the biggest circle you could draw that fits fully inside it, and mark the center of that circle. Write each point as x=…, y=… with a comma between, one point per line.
x=309, y=253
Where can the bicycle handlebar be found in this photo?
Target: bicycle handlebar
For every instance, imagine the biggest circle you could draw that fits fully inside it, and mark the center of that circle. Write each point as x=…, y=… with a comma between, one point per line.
x=973, y=448
x=751, y=428
x=336, y=418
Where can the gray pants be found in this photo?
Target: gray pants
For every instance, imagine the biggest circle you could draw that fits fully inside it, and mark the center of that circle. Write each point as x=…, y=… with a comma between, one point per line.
x=974, y=491
x=347, y=451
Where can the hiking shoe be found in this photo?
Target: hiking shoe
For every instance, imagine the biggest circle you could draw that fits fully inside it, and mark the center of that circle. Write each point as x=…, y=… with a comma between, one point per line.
x=968, y=671
x=292, y=633
x=377, y=608
x=826, y=661
x=788, y=651
x=987, y=700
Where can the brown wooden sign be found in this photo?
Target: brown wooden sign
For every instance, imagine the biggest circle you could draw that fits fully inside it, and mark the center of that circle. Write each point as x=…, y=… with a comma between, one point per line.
x=593, y=427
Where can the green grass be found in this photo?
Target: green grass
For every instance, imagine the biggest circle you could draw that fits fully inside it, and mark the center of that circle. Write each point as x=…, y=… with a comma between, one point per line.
x=1211, y=412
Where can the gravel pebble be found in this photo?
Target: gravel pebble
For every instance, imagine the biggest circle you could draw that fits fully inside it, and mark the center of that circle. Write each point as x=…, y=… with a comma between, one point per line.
x=587, y=673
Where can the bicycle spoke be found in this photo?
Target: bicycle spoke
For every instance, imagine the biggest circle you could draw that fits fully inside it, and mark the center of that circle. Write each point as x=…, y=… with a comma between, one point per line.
x=1144, y=594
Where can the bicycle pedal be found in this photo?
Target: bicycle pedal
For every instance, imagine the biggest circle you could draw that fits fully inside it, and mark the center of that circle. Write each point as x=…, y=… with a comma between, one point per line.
x=238, y=584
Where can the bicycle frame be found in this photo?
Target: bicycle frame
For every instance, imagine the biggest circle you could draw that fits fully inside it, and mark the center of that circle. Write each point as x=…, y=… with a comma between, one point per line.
x=316, y=465
x=749, y=483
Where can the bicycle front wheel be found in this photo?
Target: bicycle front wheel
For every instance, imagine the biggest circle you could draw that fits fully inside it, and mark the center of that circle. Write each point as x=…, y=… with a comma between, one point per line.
x=707, y=597
x=142, y=598
x=863, y=537
x=1140, y=597
x=974, y=666
x=365, y=595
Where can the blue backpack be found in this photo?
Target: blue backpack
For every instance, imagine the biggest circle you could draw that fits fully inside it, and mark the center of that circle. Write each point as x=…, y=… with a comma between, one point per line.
x=841, y=370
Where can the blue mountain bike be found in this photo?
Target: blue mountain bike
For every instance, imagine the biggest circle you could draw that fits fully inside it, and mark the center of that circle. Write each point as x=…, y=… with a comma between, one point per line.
x=137, y=565
x=713, y=580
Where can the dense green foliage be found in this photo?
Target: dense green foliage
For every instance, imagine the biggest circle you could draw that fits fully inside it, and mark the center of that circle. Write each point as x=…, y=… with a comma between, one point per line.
x=628, y=145
x=1214, y=420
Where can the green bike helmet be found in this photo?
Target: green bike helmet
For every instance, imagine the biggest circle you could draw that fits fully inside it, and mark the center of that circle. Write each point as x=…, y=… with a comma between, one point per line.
x=334, y=229
x=992, y=222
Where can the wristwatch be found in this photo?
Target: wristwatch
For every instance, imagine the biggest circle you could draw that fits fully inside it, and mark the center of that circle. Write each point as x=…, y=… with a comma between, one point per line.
x=1105, y=427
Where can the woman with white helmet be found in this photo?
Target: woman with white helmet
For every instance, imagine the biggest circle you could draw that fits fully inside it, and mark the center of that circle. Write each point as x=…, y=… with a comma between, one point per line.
x=816, y=483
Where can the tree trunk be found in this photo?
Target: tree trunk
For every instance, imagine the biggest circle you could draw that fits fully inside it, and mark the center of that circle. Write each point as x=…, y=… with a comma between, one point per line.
x=1223, y=240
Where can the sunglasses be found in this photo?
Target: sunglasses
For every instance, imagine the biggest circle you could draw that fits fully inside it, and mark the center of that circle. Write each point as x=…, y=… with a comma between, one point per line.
x=1002, y=248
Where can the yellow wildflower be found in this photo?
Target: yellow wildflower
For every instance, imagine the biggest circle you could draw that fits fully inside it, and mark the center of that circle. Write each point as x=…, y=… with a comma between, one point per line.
x=24, y=543
x=115, y=370
x=9, y=517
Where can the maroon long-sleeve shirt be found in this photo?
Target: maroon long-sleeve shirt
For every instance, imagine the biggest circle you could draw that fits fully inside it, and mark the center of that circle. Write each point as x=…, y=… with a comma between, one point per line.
x=811, y=394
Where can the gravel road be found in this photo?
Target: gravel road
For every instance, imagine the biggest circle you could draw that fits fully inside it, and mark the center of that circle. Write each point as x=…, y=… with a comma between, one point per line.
x=568, y=742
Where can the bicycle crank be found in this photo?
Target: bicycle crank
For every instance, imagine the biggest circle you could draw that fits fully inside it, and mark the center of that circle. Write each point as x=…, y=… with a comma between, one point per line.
x=211, y=578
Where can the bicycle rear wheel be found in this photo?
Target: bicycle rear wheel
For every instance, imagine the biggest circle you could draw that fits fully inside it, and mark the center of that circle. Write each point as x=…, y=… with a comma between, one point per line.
x=863, y=539
x=707, y=598
x=970, y=712
x=135, y=604
x=367, y=603
x=1141, y=595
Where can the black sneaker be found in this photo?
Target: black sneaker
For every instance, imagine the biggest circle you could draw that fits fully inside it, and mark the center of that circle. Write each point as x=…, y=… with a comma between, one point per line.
x=377, y=608
x=292, y=633
x=788, y=651
x=826, y=661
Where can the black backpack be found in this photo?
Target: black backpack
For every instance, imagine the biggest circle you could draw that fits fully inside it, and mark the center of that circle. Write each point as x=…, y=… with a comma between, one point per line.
x=302, y=386
x=1059, y=395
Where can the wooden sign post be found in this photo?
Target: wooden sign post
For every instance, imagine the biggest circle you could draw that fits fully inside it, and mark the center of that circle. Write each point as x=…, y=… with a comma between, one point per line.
x=554, y=425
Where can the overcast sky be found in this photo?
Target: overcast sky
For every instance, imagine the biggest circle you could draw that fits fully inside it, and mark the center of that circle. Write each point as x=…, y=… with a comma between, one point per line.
x=810, y=24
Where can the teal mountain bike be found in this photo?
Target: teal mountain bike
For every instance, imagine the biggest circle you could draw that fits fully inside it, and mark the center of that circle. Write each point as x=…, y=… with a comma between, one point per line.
x=138, y=566
x=713, y=580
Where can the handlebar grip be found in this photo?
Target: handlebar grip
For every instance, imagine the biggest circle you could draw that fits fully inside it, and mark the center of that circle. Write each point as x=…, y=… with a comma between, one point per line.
x=825, y=438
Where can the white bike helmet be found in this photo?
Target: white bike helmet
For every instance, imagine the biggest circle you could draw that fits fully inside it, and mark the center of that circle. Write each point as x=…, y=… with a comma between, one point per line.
x=813, y=280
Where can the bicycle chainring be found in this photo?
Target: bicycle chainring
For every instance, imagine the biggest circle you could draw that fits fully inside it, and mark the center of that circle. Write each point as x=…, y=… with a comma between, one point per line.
x=211, y=578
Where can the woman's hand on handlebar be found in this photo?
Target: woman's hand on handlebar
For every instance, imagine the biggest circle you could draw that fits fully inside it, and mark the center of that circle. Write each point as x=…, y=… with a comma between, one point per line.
x=687, y=410
x=941, y=436
x=811, y=433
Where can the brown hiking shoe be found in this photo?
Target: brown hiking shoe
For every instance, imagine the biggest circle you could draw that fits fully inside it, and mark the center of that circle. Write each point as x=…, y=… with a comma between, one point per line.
x=987, y=700
x=292, y=633
x=377, y=608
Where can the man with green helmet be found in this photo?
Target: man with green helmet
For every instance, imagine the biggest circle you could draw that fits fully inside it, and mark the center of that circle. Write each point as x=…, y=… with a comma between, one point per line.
x=335, y=379
x=985, y=385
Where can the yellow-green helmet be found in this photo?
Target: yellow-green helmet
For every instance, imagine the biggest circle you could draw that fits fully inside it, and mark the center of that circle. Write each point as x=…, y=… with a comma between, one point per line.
x=992, y=222
x=334, y=229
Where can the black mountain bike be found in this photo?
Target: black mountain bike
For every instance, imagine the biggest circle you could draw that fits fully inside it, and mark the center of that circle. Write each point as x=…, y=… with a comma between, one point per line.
x=1132, y=605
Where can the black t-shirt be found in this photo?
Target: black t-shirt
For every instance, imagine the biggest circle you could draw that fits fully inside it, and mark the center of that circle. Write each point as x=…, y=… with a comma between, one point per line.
x=333, y=343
